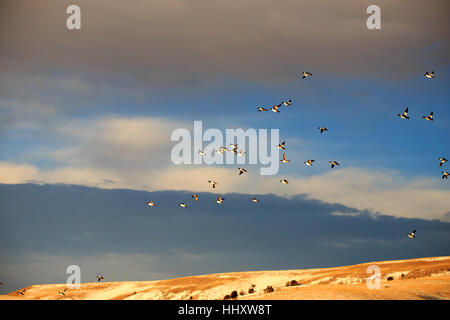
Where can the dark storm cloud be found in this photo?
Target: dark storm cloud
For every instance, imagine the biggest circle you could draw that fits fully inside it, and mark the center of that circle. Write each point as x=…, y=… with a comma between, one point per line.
x=74, y=222
x=183, y=42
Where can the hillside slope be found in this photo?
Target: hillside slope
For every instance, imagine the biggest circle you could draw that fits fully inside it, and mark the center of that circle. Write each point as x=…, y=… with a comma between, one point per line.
x=426, y=278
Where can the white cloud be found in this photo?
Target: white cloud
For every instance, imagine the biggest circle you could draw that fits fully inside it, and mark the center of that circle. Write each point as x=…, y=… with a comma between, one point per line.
x=119, y=144
x=134, y=152
x=384, y=192
x=17, y=173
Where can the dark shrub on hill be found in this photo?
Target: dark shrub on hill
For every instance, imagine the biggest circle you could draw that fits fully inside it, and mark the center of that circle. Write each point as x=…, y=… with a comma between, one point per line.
x=269, y=289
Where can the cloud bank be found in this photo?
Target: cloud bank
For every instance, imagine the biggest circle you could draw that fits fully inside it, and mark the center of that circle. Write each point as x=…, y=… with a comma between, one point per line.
x=173, y=42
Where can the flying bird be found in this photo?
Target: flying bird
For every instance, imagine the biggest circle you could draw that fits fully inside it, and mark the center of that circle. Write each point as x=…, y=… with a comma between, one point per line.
x=242, y=171
x=255, y=200
x=284, y=158
x=202, y=153
x=309, y=162
x=322, y=129
x=306, y=74
x=214, y=184
x=195, y=197
x=100, y=278
x=281, y=145
x=241, y=153
x=404, y=115
x=284, y=181
x=429, y=75
x=275, y=108
x=334, y=163
x=220, y=200
x=150, y=203
x=442, y=161
x=287, y=103
x=261, y=109
x=234, y=148
x=63, y=293
x=412, y=234
x=445, y=174
x=429, y=117
x=183, y=205
x=221, y=150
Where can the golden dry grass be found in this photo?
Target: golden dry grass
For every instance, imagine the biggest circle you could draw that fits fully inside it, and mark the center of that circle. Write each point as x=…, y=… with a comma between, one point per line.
x=426, y=278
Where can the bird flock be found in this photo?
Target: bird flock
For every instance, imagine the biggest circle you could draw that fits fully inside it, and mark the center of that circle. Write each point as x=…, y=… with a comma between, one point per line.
x=282, y=146
x=276, y=108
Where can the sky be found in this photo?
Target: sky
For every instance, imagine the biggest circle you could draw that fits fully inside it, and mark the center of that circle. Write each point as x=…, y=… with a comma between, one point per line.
x=92, y=111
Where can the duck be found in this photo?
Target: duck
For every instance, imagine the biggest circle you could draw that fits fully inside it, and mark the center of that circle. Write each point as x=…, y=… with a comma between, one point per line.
x=220, y=200
x=309, y=162
x=242, y=171
x=183, y=205
x=202, y=153
x=150, y=203
x=255, y=200
x=429, y=117
x=322, y=129
x=241, y=153
x=444, y=174
x=306, y=74
x=334, y=163
x=261, y=109
x=99, y=278
x=404, y=115
x=234, y=148
x=63, y=293
x=442, y=161
x=275, y=108
x=287, y=103
x=195, y=197
x=213, y=183
x=412, y=234
x=429, y=75
x=284, y=181
x=281, y=145
x=284, y=158
x=221, y=150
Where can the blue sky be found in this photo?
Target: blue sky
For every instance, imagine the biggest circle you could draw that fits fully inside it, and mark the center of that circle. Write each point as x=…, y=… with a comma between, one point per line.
x=96, y=107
